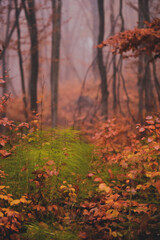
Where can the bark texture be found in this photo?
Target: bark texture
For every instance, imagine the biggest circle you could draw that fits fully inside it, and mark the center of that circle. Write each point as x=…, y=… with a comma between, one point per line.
x=34, y=54
x=145, y=88
x=55, y=53
x=100, y=61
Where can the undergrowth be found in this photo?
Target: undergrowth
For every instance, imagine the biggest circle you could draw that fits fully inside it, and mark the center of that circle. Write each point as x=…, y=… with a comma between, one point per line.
x=54, y=185
x=72, y=158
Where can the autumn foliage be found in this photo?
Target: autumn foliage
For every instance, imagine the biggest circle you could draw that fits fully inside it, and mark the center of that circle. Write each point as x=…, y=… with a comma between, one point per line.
x=117, y=199
x=138, y=40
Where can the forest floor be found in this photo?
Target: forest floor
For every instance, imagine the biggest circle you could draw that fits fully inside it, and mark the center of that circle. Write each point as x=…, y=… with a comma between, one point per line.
x=66, y=184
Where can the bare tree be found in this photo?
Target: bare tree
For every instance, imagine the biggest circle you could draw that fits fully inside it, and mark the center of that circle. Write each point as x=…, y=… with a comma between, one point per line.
x=94, y=11
x=20, y=60
x=10, y=33
x=100, y=61
x=55, y=52
x=112, y=20
x=4, y=61
x=144, y=73
x=29, y=8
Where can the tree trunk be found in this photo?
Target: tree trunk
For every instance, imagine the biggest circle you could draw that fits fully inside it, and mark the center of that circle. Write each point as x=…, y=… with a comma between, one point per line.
x=156, y=82
x=94, y=11
x=4, y=62
x=112, y=22
x=21, y=60
x=55, y=52
x=34, y=62
x=101, y=66
x=144, y=74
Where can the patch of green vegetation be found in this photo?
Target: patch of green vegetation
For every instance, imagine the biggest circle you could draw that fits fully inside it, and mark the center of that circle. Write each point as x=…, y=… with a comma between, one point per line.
x=42, y=231
x=71, y=155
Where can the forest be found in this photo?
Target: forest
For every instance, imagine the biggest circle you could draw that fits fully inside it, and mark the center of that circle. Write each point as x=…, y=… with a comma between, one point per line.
x=79, y=119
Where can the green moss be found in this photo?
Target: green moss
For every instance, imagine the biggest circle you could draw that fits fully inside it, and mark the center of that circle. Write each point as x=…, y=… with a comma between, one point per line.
x=71, y=155
x=42, y=231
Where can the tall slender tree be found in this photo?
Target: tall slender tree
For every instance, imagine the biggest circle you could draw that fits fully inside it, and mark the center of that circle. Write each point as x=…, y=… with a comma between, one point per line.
x=20, y=60
x=112, y=21
x=5, y=31
x=144, y=73
x=55, y=53
x=100, y=61
x=94, y=11
x=29, y=8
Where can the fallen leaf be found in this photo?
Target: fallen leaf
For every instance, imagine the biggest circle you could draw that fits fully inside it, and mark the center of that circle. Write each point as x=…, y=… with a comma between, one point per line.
x=150, y=122
x=142, y=129
x=82, y=235
x=85, y=212
x=50, y=162
x=15, y=202
x=110, y=173
x=98, y=179
x=149, y=117
x=150, y=139
x=157, y=185
x=89, y=175
x=105, y=188
x=4, y=153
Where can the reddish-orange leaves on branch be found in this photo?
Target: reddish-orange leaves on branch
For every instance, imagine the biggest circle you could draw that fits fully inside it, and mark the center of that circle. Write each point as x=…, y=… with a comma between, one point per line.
x=138, y=40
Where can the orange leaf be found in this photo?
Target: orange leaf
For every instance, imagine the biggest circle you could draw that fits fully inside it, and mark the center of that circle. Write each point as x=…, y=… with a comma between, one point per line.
x=1, y=214
x=50, y=162
x=142, y=129
x=50, y=208
x=156, y=146
x=157, y=185
x=24, y=168
x=150, y=139
x=105, y=188
x=2, y=142
x=150, y=122
x=82, y=235
x=55, y=207
x=2, y=81
x=97, y=179
x=15, y=202
x=110, y=173
x=149, y=117
x=4, y=153
x=85, y=212
x=90, y=175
